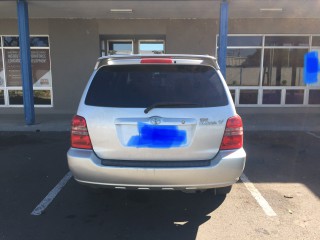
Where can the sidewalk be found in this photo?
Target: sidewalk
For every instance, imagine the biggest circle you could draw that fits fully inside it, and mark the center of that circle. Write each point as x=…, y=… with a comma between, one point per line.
x=252, y=122
x=44, y=123
x=282, y=122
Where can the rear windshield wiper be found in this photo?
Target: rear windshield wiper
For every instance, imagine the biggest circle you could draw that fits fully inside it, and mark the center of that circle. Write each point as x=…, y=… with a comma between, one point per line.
x=169, y=104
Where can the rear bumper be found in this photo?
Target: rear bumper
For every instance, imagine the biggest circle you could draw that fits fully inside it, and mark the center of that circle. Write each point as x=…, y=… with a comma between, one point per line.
x=224, y=170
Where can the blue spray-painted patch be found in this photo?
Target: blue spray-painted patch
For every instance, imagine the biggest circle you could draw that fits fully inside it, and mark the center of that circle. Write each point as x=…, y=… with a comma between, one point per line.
x=311, y=67
x=155, y=136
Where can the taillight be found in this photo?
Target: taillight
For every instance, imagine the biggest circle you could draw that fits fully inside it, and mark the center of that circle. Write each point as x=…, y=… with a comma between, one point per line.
x=233, y=134
x=157, y=60
x=79, y=133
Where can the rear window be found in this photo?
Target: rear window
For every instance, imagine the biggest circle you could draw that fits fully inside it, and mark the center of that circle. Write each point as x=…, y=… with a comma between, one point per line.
x=139, y=86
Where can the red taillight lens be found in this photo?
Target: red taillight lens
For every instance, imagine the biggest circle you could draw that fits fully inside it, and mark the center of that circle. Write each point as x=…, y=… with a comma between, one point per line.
x=233, y=134
x=79, y=133
x=157, y=60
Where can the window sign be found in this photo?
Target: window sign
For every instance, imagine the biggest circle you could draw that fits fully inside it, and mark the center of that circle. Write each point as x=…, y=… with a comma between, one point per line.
x=40, y=64
x=41, y=73
x=13, y=73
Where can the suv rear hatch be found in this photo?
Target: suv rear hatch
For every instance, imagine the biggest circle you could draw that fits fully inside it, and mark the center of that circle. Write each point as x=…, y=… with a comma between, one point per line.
x=156, y=112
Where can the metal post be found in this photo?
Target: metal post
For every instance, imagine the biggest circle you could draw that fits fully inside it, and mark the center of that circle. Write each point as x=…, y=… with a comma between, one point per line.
x=223, y=36
x=25, y=62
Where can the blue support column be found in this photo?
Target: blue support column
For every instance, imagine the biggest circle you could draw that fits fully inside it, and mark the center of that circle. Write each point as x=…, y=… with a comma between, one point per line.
x=223, y=36
x=25, y=62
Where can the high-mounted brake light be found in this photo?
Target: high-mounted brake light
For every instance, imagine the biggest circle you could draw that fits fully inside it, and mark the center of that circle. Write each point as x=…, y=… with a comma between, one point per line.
x=79, y=133
x=157, y=60
x=233, y=134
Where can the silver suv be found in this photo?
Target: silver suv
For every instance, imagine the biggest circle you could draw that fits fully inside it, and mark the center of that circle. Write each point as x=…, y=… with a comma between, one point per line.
x=163, y=122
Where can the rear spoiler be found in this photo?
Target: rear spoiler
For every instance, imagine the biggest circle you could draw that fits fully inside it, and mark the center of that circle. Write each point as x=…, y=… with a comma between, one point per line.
x=205, y=59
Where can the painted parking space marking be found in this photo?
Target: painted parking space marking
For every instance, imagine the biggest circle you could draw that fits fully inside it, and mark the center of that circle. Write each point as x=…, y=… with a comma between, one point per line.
x=313, y=134
x=51, y=195
x=257, y=195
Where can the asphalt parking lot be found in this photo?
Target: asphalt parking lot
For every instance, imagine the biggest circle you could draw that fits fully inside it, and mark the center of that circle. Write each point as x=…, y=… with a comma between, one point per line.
x=283, y=170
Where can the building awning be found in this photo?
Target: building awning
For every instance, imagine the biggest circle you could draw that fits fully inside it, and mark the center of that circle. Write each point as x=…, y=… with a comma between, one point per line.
x=159, y=9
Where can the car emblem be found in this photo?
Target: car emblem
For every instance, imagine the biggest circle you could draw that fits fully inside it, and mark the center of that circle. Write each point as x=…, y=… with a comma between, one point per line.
x=155, y=120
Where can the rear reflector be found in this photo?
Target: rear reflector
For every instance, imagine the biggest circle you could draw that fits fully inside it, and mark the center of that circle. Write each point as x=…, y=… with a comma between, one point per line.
x=79, y=133
x=233, y=134
x=157, y=60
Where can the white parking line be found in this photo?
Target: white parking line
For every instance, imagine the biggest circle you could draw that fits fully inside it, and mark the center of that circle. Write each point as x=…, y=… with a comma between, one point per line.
x=51, y=195
x=257, y=195
x=313, y=134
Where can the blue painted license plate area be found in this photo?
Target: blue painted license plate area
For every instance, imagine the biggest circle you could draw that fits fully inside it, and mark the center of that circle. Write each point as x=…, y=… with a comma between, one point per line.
x=155, y=136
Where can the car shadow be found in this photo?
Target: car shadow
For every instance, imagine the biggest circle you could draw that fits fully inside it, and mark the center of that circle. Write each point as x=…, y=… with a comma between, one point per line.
x=117, y=214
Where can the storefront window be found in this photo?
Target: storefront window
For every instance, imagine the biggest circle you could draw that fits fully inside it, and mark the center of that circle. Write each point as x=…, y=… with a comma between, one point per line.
x=248, y=96
x=11, y=41
x=151, y=47
x=42, y=97
x=39, y=42
x=1, y=70
x=233, y=95
x=314, y=96
x=268, y=69
x=10, y=71
x=243, y=67
x=244, y=41
x=287, y=41
x=1, y=97
x=120, y=47
x=34, y=41
x=294, y=96
x=271, y=97
x=15, y=97
x=316, y=41
x=283, y=67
